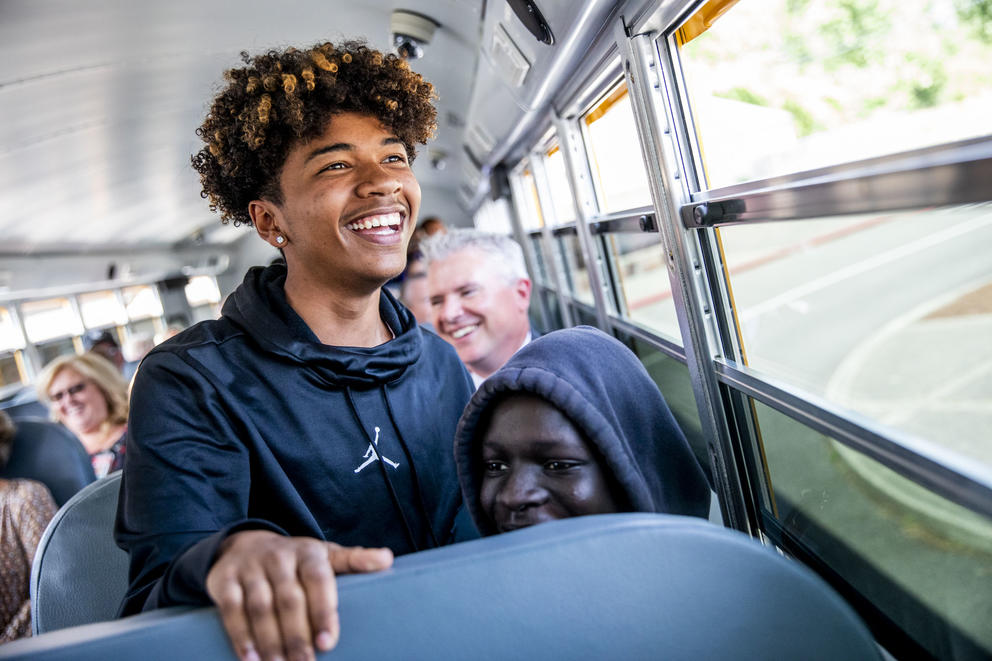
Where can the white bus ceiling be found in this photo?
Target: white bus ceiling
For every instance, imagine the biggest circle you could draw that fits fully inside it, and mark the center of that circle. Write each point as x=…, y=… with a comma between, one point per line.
x=101, y=100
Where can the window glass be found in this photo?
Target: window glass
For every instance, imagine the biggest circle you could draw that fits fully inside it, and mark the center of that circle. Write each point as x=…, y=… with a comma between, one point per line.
x=781, y=86
x=10, y=372
x=561, y=191
x=494, y=216
x=530, y=207
x=49, y=318
x=917, y=557
x=100, y=309
x=583, y=315
x=646, y=291
x=203, y=313
x=617, y=164
x=889, y=315
x=576, y=271
x=49, y=351
x=550, y=300
x=202, y=289
x=534, y=241
x=141, y=302
x=144, y=328
x=10, y=333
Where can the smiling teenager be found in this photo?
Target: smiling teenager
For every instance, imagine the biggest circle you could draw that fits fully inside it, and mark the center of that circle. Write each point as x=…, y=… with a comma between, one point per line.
x=268, y=447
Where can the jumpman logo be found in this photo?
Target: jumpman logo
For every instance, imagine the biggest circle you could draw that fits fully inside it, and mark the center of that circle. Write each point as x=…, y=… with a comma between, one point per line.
x=372, y=454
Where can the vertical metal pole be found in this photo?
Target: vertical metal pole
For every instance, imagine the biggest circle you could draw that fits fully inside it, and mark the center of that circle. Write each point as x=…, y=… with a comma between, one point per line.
x=551, y=255
x=32, y=358
x=654, y=119
x=584, y=198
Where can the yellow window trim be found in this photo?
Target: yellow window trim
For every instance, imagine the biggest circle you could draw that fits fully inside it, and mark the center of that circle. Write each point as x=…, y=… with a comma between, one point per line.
x=604, y=107
x=703, y=20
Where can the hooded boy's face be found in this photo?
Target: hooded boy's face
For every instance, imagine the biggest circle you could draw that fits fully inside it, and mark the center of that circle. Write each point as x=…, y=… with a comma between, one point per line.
x=537, y=467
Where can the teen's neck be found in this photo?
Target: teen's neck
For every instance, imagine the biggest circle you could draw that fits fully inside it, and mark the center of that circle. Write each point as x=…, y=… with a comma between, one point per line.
x=339, y=318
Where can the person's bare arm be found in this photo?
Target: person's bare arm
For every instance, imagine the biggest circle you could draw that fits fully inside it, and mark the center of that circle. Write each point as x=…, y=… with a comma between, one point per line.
x=277, y=595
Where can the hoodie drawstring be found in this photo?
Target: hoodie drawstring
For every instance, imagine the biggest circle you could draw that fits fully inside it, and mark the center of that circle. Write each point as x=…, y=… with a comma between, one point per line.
x=385, y=475
x=413, y=468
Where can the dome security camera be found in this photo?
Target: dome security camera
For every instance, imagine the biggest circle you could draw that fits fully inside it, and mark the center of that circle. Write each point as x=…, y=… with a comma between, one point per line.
x=411, y=32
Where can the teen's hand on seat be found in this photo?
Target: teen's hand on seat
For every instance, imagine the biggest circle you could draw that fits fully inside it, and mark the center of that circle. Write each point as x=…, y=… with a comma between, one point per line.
x=277, y=595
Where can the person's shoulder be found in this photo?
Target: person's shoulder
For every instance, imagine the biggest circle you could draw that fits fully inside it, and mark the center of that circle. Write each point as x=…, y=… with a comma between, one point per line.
x=441, y=355
x=24, y=492
x=434, y=344
x=204, y=332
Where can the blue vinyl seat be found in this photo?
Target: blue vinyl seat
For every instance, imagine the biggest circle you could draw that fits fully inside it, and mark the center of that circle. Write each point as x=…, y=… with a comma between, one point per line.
x=79, y=574
x=48, y=453
x=621, y=586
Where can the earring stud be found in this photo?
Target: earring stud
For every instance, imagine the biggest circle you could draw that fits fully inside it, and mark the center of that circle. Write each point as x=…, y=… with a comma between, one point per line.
x=280, y=240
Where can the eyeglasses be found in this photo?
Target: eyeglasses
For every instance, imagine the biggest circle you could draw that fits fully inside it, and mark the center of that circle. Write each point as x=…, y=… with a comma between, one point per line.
x=70, y=391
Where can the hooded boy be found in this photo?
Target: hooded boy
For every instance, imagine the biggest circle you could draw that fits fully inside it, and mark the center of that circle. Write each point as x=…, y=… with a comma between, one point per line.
x=572, y=425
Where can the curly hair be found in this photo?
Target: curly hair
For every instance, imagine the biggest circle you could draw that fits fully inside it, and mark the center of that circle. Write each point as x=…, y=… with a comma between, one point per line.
x=280, y=98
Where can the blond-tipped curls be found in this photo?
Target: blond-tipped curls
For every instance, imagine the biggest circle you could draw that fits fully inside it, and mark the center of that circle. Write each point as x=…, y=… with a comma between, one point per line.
x=280, y=98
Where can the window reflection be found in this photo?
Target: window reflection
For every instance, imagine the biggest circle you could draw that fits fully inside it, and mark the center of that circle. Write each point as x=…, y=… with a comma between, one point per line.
x=561, y=192
x=639, y=264
x=576, y=271
x=617, y=164
x=780, y=86
x=888, y=315
x=916, y=556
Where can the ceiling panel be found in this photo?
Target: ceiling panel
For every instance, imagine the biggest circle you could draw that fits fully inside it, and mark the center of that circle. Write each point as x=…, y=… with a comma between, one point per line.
x=100, y=101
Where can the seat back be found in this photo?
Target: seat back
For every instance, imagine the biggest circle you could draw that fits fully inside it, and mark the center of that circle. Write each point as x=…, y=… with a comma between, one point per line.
x=24, y=404
x=48, y=453
x=79, y=574
x=619, y=586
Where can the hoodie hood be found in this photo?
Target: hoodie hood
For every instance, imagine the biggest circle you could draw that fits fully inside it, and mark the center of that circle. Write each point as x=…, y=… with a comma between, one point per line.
x=259, y=308
x=601, y=386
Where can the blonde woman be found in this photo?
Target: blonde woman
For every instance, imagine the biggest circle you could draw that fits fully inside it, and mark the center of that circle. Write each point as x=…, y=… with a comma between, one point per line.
x=88, y=395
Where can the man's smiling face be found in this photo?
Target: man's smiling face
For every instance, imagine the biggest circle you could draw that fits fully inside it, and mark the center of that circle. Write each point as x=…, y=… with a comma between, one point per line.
x=478, y=309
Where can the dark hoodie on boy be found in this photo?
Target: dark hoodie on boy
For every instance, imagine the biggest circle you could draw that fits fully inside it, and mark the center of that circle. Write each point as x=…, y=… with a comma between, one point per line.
x=603, y=389
x=250, y=422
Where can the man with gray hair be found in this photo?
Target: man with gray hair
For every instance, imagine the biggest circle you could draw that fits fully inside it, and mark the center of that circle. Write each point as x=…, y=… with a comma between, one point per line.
x=480, y=294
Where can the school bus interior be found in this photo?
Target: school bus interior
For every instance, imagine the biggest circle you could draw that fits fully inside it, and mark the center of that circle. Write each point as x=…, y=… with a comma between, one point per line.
x=782, y=207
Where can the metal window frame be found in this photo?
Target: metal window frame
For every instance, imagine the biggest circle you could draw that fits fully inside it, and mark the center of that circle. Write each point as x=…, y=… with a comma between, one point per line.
x=955, y=173
x=552, y=260
x=659, y=124
x=946, y=474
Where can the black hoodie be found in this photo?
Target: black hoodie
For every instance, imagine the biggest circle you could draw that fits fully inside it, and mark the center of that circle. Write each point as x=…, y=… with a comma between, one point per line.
x=603, y=389
x=250, y=422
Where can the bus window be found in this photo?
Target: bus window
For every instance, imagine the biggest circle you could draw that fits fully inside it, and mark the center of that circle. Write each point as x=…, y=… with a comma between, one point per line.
x=144, y=309
x=888, y=315
x=812, y=84
x=11, y=344
x=561, y=192
x=50, y=325
x=549, y=299
x=645, y=288
x=617, y=164
x=529, y=206
x=101, y=308
x=494, y=216
x=203, y=297
x=918, y=557
x=575, y=265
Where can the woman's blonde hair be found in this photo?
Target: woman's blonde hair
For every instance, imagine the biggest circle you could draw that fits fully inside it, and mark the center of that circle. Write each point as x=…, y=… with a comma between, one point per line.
x=97, y=369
